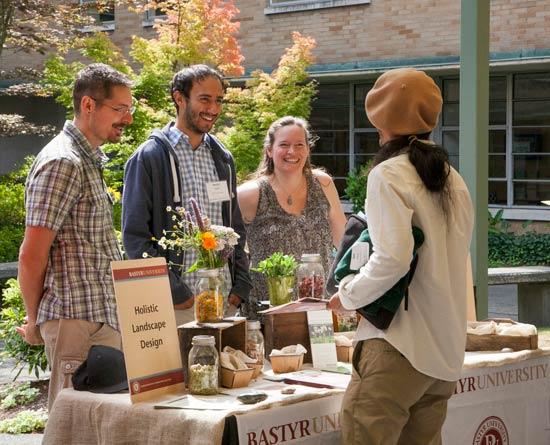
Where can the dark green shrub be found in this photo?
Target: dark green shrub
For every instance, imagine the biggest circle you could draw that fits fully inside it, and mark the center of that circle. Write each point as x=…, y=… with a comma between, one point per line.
x=356, y=186
x=10, y=240
x=497, y=224
x=507, y=249
x=12, y=212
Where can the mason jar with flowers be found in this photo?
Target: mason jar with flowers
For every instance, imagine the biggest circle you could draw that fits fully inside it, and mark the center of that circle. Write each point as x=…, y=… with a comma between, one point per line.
x=213, y=245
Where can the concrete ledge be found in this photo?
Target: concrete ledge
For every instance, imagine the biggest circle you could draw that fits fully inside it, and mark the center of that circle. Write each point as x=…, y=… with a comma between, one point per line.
x=533, y=283
x=8, y=270
x=523, y=274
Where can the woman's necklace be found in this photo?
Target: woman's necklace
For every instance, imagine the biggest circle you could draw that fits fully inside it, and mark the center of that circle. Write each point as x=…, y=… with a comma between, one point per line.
x=289, y=199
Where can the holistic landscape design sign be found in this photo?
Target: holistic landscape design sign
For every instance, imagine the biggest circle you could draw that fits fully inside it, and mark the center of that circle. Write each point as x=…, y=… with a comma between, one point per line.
x=148, y=328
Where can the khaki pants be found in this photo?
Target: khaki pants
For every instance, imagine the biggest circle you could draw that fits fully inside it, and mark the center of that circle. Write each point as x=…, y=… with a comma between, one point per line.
x=67, y=343
x=388, y=402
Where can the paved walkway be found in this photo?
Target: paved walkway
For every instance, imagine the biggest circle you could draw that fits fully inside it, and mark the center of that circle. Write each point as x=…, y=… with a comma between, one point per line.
x=502, y=304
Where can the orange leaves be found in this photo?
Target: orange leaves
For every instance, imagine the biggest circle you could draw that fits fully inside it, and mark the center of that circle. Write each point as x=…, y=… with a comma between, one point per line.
x=200, y=31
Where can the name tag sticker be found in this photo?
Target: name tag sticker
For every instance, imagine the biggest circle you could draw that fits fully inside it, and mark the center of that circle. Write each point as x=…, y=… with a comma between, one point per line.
x=360, y=253
x=217, y=191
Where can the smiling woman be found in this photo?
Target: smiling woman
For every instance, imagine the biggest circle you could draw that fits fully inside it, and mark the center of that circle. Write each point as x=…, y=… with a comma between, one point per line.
x=288, y=207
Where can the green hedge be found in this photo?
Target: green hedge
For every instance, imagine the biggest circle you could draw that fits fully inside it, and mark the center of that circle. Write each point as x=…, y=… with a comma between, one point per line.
x=10, y=240
x=12, y=213
x=530, y=249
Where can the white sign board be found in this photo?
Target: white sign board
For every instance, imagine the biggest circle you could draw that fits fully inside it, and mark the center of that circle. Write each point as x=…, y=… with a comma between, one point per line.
x=148, y=328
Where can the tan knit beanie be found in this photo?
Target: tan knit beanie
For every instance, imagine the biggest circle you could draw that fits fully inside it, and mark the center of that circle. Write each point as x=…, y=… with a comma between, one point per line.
x=404, y=101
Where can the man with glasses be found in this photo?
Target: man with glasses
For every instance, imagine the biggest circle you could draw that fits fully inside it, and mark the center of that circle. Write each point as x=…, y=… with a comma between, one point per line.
x=64, y=260
x=181, y=161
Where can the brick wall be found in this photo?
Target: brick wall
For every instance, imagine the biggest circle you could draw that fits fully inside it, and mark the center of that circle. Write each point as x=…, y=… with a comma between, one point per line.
x=383, y=29
x=388, y=29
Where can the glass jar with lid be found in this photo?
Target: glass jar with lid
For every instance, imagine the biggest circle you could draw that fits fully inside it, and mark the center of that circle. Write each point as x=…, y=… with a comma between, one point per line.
x=209, y=296
x=203, y=365
x=310, y=276
x=255, y=341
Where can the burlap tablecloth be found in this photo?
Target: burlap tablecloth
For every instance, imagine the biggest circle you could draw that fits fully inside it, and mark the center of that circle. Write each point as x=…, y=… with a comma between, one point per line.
x=82, y=418
x=79, y=417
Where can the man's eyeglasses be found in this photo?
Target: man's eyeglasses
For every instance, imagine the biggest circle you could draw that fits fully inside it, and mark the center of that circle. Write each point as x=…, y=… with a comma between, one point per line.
x=122, y=110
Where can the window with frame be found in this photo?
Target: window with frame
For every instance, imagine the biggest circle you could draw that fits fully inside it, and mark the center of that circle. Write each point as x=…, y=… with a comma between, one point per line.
x=282, y=6
x=152, y=14
x=531, y=139
x=103, y=15
x=498, y=170
x=365, y=136
x=329, y=120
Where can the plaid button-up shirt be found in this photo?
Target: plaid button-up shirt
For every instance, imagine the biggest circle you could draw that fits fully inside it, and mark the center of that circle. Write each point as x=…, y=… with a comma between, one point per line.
x=197, y=168
x=65, y=192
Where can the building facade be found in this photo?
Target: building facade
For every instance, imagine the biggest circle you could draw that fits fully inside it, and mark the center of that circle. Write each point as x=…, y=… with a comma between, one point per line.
x=359, y=39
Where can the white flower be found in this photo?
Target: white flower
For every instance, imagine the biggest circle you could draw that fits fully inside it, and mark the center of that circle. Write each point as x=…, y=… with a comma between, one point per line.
x=220, y=245
x=145, y=255
x=168, y=208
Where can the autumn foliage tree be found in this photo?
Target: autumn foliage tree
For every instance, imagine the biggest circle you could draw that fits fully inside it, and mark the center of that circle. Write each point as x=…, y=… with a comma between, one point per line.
x=39, y=25
x=266, y=97
x=192, y=31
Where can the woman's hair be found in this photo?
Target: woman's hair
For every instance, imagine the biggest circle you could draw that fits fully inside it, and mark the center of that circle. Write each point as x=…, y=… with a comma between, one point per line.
x=430, y=160
x=266, y=166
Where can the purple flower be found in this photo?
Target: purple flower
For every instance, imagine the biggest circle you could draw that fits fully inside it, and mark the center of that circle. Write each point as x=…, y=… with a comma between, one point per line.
x=189, y=222
x=197, y=212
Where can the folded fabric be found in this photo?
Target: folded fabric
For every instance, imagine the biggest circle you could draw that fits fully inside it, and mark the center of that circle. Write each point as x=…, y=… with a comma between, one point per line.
x=381, y=311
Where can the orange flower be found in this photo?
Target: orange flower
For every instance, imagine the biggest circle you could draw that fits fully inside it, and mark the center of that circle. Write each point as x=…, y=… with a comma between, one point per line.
x=208, y=241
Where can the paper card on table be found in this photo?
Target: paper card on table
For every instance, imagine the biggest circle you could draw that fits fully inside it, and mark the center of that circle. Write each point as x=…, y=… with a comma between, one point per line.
x=148, y=327
x=321, y=336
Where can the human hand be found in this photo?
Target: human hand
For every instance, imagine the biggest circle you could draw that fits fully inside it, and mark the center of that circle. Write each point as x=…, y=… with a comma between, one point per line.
x=335, y=305
x=186, y=304
x=30, y=332
x=234, y=300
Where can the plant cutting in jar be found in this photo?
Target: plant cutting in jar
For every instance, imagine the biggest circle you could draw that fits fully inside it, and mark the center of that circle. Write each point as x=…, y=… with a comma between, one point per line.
x=213, y=245
x=279, y=270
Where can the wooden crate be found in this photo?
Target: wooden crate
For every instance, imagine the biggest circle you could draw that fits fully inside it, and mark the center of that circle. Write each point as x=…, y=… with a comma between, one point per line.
x=494, y=342
x=286, y=325
x=229, y=333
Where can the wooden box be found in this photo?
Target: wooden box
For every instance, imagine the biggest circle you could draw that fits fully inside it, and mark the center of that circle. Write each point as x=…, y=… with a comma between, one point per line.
x=494, y=342
x=344, y=353
x=232, y=378
x=228, y=333
x=286, y=325
x=286, y=363
x=257, y=369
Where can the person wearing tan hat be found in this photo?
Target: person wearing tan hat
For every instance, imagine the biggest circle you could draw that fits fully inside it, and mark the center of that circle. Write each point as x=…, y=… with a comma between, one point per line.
x=404, y=375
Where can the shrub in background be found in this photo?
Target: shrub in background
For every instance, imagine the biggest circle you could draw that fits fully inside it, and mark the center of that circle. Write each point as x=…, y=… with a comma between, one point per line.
x=356, y=186
x=251, y=110
x=17, y=394
x=28, y=421
x=12, y=212
x=529, y=249
x=12, y=315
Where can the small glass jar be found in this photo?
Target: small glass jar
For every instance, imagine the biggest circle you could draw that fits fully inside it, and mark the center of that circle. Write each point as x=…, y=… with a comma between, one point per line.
x=310, y=277
x=209, y=297
x=255, y=341
x=203, y=365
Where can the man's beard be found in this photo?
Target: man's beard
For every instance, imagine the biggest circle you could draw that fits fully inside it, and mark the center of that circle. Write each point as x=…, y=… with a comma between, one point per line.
x=191, y=117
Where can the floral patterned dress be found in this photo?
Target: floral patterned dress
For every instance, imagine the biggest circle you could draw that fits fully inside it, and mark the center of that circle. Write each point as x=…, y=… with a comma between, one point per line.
x=275, y=230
